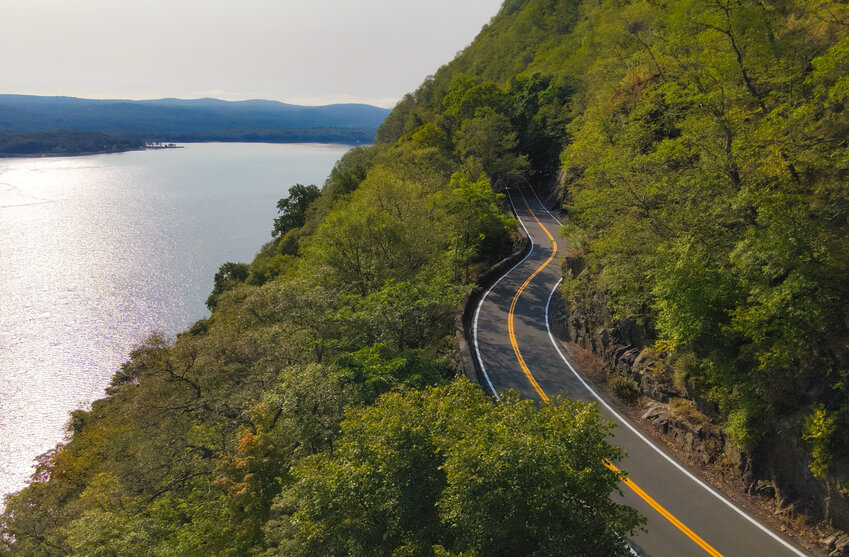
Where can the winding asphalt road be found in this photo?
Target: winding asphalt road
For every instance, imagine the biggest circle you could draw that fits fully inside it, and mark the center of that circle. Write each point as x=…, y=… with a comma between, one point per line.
x=514, y=345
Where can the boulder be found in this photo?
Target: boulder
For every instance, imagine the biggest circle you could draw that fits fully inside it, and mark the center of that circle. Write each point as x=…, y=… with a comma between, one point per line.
x=840, y=546
x=690, y=430
x=655, y=376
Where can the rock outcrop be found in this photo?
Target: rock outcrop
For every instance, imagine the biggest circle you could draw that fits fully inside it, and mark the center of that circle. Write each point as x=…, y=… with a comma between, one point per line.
x=778, y=472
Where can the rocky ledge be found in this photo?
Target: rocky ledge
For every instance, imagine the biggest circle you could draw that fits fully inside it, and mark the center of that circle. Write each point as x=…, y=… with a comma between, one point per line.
x=619, y=359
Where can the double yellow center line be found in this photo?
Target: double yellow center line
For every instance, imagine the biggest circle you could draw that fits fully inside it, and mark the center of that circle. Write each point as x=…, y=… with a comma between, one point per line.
x=511, y=329
x=544, y=397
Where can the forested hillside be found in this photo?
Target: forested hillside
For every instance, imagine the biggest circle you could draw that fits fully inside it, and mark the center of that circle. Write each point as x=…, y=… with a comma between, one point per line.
x=192, y=120
x=704, y=163
x=316, y=412
x=704, y=171
x=706, y=181
x=16, y=144
x=700, y=150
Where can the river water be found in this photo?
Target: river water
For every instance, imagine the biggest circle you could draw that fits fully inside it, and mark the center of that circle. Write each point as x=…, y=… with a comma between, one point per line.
x=97, y=252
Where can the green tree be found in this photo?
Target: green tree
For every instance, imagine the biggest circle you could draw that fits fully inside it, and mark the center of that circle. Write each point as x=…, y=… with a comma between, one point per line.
x=391, y=229
x=298, y=415
x=489, y=136
x=229, y=275
x=483, y=231
x=408, y=314
x=350, y=171
x=447, y=467
x=293, y=209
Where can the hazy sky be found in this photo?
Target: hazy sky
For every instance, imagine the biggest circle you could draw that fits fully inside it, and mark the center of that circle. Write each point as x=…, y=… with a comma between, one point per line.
x=300, y=51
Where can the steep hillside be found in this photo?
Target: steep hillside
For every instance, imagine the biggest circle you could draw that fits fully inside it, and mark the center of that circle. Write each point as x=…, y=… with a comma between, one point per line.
x=317, y=411
x=700, y=151
x=703, y=159
x=706, y=185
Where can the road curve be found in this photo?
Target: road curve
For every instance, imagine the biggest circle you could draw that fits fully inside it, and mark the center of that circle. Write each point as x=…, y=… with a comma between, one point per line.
x=515, y=349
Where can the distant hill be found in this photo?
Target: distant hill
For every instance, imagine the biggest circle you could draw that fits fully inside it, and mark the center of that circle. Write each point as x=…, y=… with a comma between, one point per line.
x=64, y=142
x=193, y=120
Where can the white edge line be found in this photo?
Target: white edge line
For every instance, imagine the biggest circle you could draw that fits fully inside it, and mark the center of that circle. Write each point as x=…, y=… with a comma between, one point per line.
x=627, y=424
x=631, y=550
x=480, y=303
x=652, y=445
x=544, y=207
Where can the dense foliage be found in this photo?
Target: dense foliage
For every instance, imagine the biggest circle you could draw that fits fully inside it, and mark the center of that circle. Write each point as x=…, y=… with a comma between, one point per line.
x=447, y=468
x=706, y=180
x=316, y=412
x=701, y=151
x=703, y=157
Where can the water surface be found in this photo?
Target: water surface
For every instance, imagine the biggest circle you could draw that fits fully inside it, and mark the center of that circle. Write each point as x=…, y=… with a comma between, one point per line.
x=98, y=252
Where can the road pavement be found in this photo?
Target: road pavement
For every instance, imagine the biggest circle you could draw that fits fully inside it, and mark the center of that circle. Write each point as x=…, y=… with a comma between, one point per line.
x=685, y=516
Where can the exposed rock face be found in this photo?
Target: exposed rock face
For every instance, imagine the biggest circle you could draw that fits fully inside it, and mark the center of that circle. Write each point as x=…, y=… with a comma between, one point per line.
x=779, y=471
x=693, y=431
x=837, y=545
x=622, y=349
x=786, y=460
x=655, y=377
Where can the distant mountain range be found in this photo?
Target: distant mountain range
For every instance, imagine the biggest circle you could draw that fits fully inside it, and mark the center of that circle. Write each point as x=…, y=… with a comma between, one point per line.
x=193, y=120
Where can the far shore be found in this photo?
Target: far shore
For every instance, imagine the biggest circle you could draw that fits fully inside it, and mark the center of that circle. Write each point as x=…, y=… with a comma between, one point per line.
x=164, y=147
x=80, y=154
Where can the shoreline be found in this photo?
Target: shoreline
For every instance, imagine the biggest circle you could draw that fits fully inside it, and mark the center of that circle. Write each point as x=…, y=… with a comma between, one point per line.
x=84, y=332
x=182, y=145
x=54, y=155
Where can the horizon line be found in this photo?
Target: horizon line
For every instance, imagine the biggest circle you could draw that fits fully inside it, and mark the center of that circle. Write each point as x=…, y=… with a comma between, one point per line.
x=385, y=103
